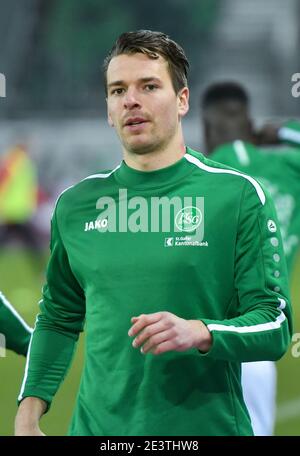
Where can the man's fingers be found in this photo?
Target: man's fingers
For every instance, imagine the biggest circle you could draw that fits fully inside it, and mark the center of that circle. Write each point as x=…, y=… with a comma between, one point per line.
x=142, y=321
x=157, y=339
x=163, y=348
x=148, y=332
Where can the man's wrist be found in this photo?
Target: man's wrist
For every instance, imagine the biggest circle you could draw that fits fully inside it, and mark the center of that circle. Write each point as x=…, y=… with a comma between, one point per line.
x=203, y=337
x=31, y=410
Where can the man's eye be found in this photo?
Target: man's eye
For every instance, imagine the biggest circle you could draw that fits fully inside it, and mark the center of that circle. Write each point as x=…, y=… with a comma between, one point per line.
x=118, y=91
x=150, y=87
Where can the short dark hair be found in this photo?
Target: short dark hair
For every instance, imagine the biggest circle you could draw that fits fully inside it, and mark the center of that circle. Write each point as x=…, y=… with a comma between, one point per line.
x=152, y=44
x=223, y=91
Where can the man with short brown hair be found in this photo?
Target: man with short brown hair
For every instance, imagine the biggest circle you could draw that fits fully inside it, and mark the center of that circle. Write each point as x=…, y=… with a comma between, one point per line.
x=167, y=259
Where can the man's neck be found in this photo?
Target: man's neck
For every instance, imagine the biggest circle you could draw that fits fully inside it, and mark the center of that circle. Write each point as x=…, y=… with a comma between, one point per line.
x=157, y=159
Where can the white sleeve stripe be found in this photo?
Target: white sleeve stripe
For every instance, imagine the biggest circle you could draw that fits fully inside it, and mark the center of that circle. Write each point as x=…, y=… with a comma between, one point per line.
x=14, y=312
x=241, y=152
x=250, y=329
x=66, y=189
x=288, y=134
x=282, y=303
x=210, y=169
x=20, y=397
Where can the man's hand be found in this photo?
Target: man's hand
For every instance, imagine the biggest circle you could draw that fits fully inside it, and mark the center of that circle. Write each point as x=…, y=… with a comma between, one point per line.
x=28, y=416
x=268, y=134
x=161, y=332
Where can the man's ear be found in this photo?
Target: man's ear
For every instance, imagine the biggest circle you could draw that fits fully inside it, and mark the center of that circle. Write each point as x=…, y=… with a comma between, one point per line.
x=183, y=101
x=110, y=121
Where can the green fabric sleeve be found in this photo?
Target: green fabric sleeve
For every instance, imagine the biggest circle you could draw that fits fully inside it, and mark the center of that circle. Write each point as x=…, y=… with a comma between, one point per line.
x=290, y=133
x=263, y=327
x=15, y=331
x=57, y=327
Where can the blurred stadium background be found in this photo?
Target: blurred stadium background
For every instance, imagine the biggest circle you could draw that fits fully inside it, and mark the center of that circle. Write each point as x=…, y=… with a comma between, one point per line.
x=51, y=54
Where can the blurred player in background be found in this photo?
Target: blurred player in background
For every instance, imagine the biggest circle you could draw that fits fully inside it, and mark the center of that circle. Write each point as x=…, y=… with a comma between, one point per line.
x=18, y=197
x=230, y=138
x=14, y=329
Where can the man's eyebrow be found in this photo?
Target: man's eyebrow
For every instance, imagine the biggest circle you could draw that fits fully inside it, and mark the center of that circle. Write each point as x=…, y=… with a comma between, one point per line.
x=150, y=79
x=120, y=82
x=115, y=83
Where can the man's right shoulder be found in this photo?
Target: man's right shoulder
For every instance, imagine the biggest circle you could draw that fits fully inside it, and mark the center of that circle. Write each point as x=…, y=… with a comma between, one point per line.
x=80, y=190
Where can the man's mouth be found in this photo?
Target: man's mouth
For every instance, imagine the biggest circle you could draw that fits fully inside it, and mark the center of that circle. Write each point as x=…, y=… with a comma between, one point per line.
x=135, y=121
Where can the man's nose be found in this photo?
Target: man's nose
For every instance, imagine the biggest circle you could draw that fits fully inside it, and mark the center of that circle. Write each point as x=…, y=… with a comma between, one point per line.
x=131, y=99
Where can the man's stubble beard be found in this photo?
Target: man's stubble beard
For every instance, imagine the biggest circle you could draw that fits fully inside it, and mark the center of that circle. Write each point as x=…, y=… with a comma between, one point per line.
x=154, y=146
x=143, y=149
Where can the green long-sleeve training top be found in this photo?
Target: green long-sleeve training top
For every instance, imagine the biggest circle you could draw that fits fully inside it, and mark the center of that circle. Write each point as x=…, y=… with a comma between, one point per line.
x=197, y=239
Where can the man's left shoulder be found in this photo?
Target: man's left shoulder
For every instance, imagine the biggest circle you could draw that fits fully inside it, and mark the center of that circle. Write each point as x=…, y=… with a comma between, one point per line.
x=210, y=165
x=225, y=177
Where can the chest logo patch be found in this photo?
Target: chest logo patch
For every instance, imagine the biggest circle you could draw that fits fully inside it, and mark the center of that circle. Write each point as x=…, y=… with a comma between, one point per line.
x=188, y=219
